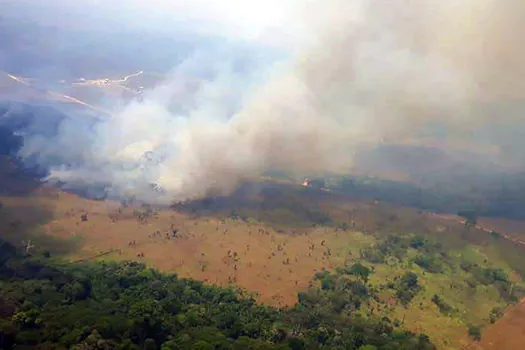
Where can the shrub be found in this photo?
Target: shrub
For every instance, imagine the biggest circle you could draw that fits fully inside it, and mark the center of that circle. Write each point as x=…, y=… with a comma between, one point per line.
x=474, y=332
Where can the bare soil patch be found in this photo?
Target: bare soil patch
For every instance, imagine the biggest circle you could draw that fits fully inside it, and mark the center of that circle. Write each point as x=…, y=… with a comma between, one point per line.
x=508, y=333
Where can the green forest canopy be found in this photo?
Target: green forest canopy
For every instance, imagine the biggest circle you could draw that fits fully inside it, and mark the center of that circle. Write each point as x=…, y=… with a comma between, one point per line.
x=51, y=304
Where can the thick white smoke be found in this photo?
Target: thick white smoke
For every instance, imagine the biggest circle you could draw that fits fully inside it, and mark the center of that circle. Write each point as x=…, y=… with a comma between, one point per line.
x=370, y=71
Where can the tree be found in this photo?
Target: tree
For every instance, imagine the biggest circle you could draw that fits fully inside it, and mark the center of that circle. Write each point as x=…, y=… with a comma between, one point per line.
x=409, y=280
x=407, y=287
x=149, y=344
x=202, y=345
x=360, y=271
x=470, y=216
x=368, y=347
x=7, y=251
x=417, y=242
x=495, y=234
x=128, y=306
x=429, y=263
x=495, y=314
x=443, y=306
x=474, y=332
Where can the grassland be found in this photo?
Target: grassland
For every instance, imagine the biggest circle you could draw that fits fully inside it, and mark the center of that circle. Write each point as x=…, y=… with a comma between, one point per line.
x=273, y=240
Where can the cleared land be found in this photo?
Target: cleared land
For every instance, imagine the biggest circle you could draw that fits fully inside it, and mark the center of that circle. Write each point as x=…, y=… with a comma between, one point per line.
x=254, y=256
x=270, y=247
x=514, y=228
x=506, y=333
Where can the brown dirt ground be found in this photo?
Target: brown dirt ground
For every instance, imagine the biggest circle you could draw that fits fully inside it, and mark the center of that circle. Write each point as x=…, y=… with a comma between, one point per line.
x=514, y=228
x=275, y=265
x=508, y=333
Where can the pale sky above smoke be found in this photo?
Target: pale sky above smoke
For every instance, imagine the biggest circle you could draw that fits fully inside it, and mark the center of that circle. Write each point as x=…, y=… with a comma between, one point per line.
x=361, y=72
x=274, y=22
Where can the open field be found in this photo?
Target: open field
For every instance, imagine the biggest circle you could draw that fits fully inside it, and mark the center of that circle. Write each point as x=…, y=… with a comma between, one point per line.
x=256, y=257
x=513, y=228
x=267, y=243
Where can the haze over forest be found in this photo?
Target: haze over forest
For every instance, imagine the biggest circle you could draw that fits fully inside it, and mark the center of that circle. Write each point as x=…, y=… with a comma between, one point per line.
x=307, y=89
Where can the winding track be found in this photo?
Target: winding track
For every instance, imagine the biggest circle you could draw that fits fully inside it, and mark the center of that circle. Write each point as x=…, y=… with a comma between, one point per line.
x=58, y=96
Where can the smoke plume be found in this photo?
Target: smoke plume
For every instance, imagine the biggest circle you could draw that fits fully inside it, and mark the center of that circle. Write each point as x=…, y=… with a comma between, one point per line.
x=447, y=73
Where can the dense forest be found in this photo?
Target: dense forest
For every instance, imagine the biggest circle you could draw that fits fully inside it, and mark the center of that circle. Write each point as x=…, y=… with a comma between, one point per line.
x=46, y=303
x=494, y=194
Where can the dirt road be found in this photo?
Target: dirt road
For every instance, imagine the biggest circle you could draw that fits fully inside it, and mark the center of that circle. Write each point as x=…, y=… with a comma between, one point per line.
x=57, y=96
x=479, y=227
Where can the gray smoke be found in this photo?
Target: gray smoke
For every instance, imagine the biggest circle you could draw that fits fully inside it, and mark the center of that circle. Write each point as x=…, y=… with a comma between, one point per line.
x=448, y=73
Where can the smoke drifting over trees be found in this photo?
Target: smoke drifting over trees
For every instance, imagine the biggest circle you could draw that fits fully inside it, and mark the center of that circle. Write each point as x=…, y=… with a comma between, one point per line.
x=445, y=73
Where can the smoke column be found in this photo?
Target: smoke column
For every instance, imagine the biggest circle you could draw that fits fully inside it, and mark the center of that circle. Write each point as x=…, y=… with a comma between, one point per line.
x=368, y=71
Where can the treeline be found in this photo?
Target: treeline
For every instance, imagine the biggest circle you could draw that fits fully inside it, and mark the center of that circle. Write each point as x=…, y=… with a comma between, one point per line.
x=500, y=195
x=50, y=304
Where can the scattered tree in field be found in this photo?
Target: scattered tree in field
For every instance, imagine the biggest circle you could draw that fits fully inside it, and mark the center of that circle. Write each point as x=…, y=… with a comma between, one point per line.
x=126, y=305
x=495, y=234
x=359, y=271
x=373, y=255
x=470, y=216
x=407, y=287
x=495, y=314
x=474, y=332
x=443, y=306
x=429, y=263
x=417, y=242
